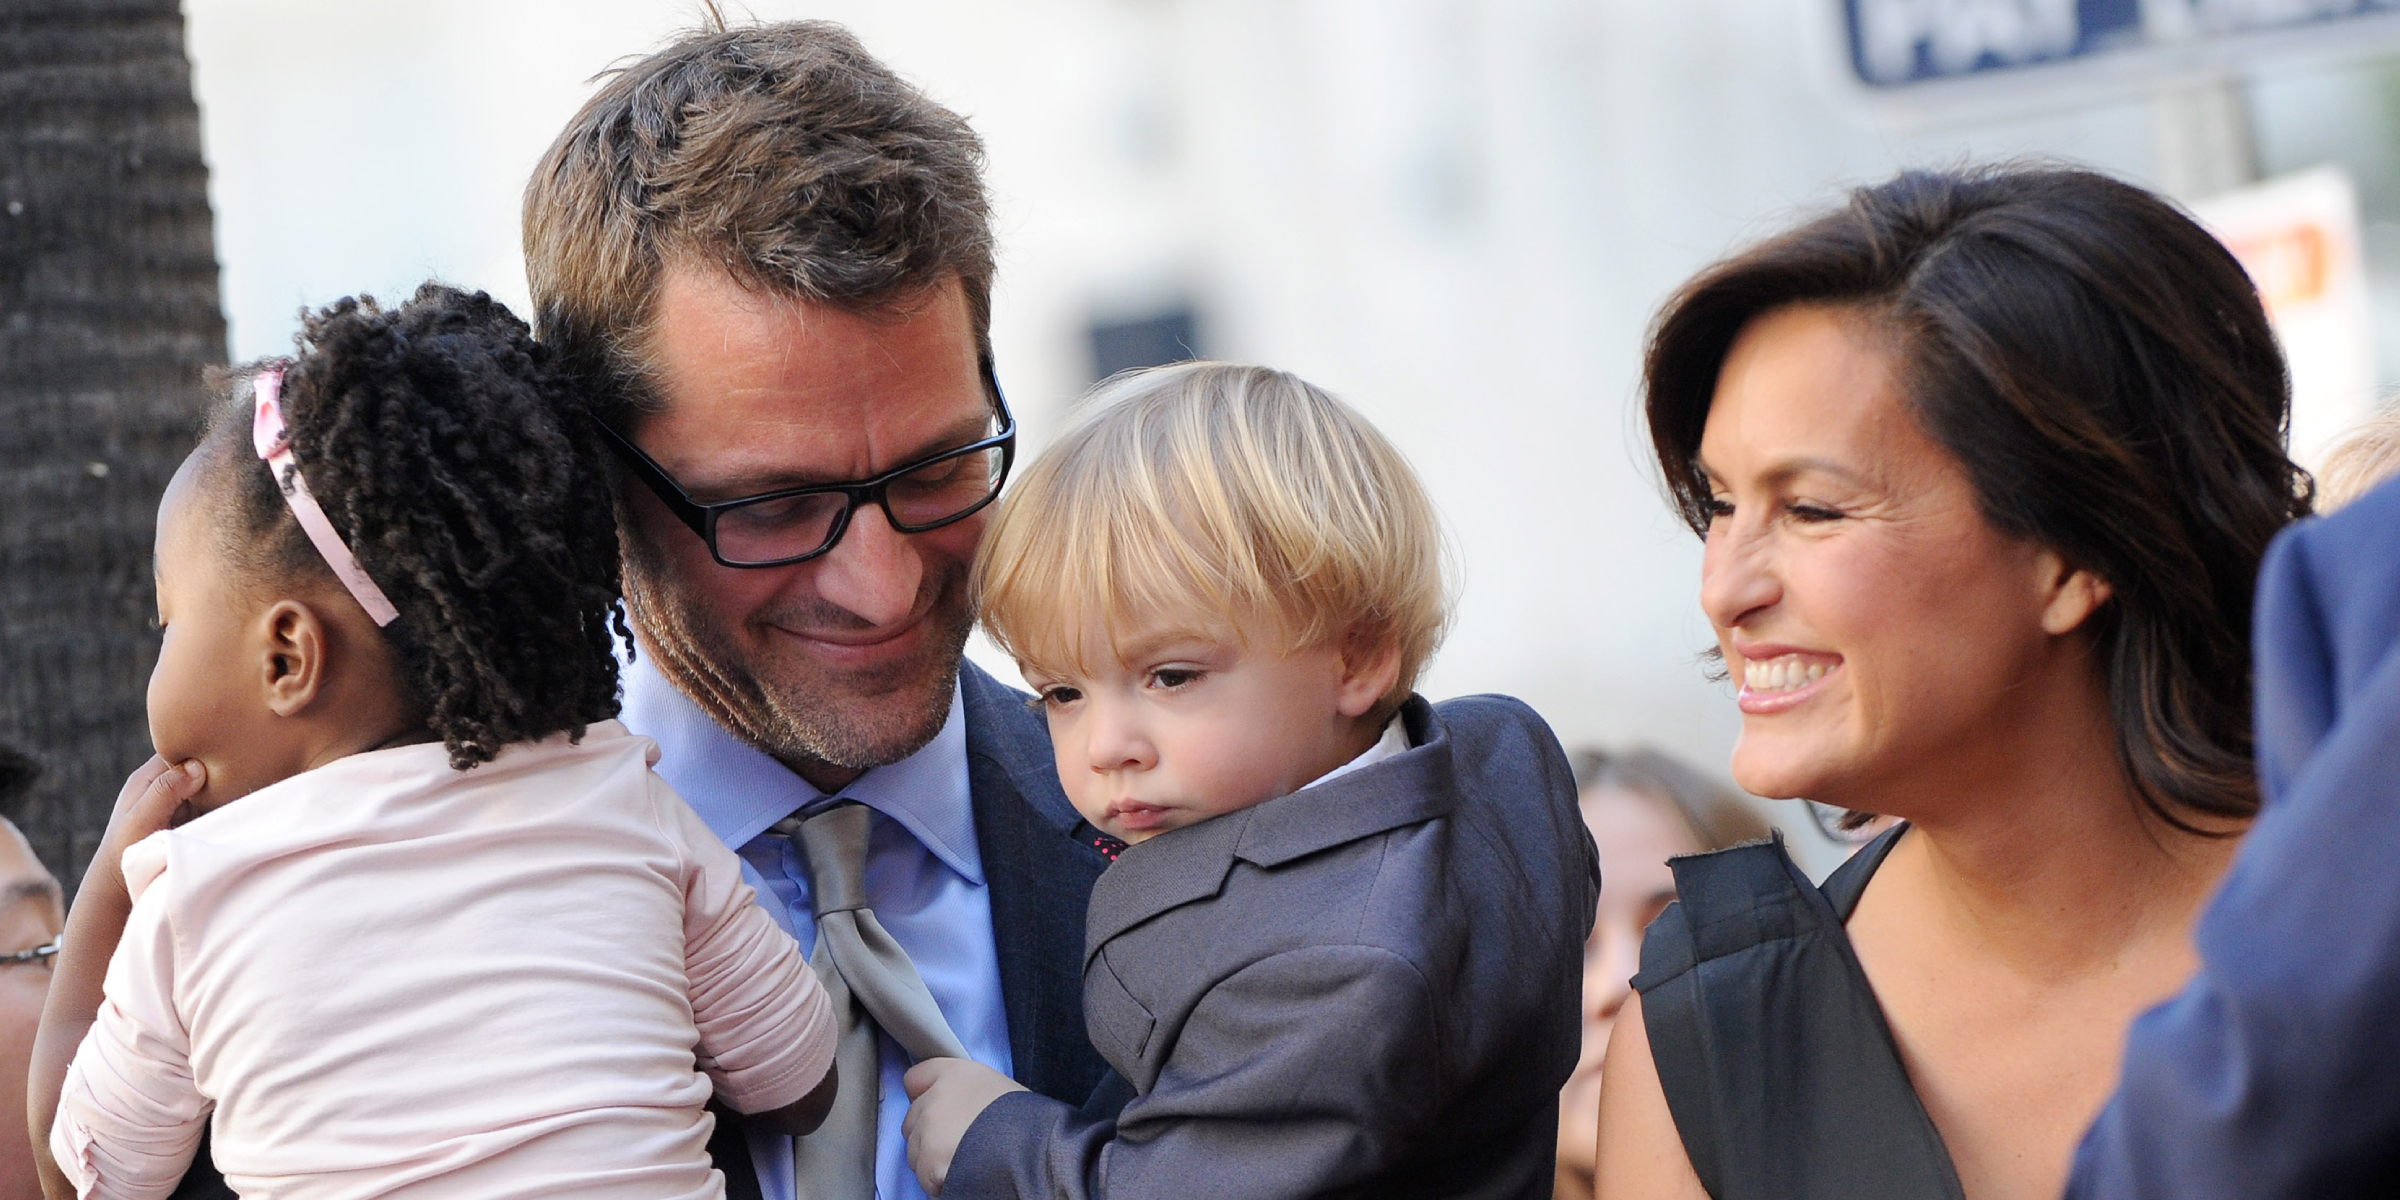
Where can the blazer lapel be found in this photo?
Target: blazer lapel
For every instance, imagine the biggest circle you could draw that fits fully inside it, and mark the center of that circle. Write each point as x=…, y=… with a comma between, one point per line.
x=1040, y=878
x=1418, y=785
x=1168, y=871
x=1189, y=864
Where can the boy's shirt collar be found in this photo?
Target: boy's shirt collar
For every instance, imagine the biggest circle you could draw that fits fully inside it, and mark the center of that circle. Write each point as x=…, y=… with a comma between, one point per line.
x=1394, y=741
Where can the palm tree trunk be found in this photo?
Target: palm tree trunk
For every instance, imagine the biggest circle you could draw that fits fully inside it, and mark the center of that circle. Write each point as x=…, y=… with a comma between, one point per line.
x=108, y=315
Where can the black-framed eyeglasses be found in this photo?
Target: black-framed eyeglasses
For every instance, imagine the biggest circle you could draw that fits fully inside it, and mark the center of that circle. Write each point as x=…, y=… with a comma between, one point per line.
x=43, y=955
x=774, y=529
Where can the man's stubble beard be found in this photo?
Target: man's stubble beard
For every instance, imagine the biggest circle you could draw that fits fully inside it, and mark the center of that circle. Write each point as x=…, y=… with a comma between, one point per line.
x=809, y=716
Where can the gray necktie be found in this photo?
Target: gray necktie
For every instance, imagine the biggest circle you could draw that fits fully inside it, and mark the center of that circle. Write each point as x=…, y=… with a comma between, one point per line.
x=872, y=984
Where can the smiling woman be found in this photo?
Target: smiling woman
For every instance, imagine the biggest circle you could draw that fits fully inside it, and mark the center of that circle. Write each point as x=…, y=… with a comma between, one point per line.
x=1985, y=464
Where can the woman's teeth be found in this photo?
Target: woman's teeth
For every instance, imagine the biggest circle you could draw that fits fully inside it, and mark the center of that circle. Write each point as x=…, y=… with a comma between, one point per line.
x=1781, y=674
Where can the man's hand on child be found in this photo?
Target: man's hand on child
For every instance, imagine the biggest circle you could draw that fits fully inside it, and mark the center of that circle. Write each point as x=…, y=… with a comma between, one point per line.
x=946, y=1095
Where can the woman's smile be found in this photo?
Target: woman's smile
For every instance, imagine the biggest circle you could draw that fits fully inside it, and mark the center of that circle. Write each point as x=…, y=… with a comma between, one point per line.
x=1775, y=682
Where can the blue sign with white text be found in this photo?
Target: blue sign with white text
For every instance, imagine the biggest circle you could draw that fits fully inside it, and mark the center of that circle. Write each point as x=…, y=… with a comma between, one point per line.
x=1899, y=42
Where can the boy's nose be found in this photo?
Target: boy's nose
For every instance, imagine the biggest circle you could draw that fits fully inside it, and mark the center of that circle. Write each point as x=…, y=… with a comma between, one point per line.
x=1118, y=744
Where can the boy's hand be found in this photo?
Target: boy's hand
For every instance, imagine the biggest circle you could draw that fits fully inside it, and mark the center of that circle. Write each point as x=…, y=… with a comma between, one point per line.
x=947, y=1095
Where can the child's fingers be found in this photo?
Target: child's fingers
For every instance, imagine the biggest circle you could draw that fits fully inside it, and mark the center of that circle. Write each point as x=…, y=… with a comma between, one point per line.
x=139, y=782
x=922, y=1076
x=166, y=792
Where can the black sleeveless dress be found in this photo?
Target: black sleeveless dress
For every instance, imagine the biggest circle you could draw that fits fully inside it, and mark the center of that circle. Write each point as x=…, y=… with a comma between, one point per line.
x=1782, y=1076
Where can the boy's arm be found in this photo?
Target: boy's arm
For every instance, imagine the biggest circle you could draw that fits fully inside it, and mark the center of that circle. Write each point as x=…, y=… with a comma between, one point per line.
x=153, y=799
x=1303, y=1074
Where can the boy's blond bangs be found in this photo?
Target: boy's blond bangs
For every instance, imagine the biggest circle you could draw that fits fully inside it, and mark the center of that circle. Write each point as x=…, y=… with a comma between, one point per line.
x=1207, y=498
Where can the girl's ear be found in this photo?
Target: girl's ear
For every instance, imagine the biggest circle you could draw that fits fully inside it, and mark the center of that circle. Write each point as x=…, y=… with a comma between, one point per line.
x=1368, y=672
x=293, y=665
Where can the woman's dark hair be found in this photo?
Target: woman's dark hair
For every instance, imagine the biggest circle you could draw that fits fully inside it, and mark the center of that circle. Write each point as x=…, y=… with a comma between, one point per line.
x=2103, y=371
x=440, y=440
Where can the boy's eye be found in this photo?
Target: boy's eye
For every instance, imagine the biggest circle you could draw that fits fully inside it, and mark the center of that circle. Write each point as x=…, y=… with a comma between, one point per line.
x=1057, y=696
x=1171, y=678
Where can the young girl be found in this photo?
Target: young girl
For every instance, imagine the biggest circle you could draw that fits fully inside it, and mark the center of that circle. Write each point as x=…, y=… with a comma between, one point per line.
x=408, y=915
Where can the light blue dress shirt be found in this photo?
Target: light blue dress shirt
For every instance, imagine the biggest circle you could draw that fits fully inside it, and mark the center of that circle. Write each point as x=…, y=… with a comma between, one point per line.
x=924, y=879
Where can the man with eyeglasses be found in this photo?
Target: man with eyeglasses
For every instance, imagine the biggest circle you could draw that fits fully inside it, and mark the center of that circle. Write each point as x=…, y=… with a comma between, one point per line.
x=770, y=260
x=31, y=912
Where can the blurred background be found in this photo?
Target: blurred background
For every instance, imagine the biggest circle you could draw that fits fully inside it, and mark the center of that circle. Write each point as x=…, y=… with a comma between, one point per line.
x=1457, y=214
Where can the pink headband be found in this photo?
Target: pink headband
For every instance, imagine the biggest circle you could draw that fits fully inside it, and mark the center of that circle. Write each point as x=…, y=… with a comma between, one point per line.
x=275, y=447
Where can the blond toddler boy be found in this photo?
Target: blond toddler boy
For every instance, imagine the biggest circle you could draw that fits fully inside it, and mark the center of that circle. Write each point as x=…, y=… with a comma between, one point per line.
x=1341, y=950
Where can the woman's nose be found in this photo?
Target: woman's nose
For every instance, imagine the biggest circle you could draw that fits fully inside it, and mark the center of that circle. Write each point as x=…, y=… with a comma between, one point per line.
x=1737, y=577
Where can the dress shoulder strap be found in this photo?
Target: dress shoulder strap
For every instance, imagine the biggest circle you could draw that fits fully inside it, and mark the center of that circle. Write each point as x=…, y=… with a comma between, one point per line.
x=1782, y=1077
x=1849, y=881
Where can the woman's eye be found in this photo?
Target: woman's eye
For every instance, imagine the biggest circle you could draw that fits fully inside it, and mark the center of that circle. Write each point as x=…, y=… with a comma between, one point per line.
x=1171, y=678
x=1813, y=514
x=1718, y=508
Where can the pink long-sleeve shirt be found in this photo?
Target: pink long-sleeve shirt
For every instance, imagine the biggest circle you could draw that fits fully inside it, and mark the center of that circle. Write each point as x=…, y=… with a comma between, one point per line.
x=390, y=978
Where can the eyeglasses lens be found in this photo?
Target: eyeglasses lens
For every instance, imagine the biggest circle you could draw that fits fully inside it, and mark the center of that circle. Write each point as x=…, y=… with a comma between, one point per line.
x=940, y=490
x=777, y=529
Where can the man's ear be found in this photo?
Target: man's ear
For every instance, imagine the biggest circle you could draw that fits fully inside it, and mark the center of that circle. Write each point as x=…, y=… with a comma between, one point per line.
x=1368, y=673
x=2074, y=594
x=293, y=665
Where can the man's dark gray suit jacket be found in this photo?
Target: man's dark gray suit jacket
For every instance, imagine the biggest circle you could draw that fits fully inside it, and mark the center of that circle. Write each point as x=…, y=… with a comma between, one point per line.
x=1040, y=878
x=1369, y=987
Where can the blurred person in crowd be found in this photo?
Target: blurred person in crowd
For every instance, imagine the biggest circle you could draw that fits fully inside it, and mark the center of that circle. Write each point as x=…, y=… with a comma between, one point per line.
x=2366, y=455
x=1643, y=808
x=2272, y=1074
x=1985, y=463
x=31, y=912
x=770, y=259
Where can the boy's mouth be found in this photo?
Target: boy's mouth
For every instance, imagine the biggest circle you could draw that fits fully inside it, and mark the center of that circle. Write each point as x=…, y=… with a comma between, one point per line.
x=1137, y=816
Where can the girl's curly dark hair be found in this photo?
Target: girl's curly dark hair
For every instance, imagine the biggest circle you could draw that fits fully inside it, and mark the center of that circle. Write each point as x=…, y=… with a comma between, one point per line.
x=441, y=441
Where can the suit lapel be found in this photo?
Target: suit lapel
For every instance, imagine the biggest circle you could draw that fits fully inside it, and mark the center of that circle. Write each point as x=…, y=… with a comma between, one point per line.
x=1041, y=882
x=1168, y=871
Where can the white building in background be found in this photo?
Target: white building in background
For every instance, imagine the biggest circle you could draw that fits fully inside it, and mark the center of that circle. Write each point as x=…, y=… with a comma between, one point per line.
x=1457, y=214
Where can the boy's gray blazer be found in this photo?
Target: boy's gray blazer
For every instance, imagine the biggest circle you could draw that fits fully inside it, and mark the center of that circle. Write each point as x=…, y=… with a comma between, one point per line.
x=1368, y=987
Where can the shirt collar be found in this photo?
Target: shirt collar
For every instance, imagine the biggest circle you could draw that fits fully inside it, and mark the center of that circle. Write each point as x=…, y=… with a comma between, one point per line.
x=739, y=790
x=1394, y=741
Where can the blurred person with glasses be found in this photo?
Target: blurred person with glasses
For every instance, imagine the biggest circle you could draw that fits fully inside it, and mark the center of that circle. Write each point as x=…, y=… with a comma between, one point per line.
x=32, y=910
